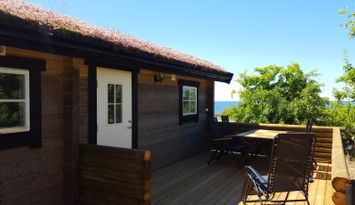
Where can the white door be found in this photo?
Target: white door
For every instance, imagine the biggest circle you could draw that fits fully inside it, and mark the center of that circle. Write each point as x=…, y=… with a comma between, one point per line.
x=114, y=108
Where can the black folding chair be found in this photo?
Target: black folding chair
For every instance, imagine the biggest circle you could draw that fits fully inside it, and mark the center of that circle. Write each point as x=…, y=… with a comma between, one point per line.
x=226, y=126
x=289, y=170
x=225, y=118
x=309, y=126
x=308, y=130
x=220, y=146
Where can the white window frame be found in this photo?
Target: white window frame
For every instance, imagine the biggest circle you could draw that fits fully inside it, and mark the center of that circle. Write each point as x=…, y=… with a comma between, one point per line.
x=195, y=100
x=26, y=100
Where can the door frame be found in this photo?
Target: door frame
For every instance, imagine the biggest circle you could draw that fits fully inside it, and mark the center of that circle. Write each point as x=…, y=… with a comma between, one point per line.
x=92, y=98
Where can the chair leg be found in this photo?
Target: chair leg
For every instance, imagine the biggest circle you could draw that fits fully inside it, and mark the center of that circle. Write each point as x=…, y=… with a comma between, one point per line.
x=213, y=156
x=286, y=197
x=307, y=200
x=239, y=161
x=260, y=200
x=245, y=190
x=221, y=153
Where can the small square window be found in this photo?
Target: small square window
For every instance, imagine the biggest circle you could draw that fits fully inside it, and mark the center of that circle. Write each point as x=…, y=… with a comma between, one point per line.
x=20, y=102
x=14, y=100
x=188, y=101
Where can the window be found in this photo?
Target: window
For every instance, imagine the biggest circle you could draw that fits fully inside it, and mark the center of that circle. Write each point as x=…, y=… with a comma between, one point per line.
x=14, y=100
x=114, y=99
x=20, y=102
x=188, y=105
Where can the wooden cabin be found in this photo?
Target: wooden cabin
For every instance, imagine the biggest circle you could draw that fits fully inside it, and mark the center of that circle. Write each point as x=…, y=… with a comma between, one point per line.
x=79, y=83
x=68, y=87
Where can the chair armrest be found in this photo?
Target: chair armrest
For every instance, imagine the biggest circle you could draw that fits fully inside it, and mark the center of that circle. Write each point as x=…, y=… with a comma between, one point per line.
x=310, y=179
x=253, y=172
x=222, y=139
x=257, y=178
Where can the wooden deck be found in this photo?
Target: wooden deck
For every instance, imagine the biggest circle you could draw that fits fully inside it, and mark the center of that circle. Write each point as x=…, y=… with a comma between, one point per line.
x=192, y=181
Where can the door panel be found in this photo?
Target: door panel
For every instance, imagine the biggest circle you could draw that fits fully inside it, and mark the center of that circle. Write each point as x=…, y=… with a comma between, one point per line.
x=114, y=108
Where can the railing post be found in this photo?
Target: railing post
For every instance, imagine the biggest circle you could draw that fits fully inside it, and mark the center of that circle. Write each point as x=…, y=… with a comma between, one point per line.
x=340, y=174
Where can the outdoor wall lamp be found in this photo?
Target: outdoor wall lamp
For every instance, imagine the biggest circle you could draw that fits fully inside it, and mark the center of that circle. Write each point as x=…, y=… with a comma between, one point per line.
x=158, y=77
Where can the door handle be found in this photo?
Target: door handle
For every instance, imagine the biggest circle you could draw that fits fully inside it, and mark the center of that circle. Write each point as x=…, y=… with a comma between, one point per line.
x=129, y=127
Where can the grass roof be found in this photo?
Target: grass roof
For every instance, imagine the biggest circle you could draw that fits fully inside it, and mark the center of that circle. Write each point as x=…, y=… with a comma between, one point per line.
x=51, y=22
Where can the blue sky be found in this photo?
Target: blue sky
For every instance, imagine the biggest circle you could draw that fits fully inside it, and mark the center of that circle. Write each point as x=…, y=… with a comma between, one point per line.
x=238, y=35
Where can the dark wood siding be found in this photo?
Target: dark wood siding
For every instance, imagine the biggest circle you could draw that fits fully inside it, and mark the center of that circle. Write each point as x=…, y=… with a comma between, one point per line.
x=158, y=120
x=41, y=176
x=114, y=175
x=84, y=115
x=48, y=175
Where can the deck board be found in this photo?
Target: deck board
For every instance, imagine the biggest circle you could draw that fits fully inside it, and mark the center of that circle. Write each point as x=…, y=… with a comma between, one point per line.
x=192, y=181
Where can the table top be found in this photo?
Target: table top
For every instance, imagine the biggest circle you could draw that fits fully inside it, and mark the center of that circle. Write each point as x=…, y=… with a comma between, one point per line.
x=259, y=134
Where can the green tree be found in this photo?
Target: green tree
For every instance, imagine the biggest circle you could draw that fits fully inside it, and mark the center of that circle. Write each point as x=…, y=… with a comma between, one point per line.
x=348, y=78
x=276, y=94
x=338, y=113
x=350, y=25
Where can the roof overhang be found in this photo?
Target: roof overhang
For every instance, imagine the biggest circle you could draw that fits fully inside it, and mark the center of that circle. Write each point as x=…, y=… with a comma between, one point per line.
x=74, y=46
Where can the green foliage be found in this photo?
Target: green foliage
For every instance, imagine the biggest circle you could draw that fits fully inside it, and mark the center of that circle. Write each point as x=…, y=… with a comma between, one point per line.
x=339, y=114
x=276, y=94
x=348, y=78
x=342, y=115
x=350, y=25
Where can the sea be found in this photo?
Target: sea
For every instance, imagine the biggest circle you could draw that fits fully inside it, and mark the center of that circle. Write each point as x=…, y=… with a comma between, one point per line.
x=219, y=106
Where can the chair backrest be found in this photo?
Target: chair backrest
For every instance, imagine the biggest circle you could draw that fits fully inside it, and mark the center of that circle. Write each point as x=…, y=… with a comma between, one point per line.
x=224, y=118
x=227, y=129
x=291, y=162
x=217, y=130
x=309, y=126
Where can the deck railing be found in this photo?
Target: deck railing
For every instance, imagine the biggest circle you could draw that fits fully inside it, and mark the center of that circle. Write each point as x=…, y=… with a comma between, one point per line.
x=340, y=175
x=329, y=149
x=323, y=151
x=111, y=175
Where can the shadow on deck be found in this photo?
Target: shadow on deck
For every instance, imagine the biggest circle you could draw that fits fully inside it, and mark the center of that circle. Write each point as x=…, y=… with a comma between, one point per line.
x=192, y=181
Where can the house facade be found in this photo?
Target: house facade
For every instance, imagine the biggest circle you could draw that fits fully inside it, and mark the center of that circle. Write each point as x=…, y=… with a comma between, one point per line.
x=64, y=82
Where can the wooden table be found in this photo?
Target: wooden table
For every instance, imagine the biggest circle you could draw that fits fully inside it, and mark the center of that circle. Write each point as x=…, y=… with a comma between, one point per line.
x=257, y=139
x=261, y=134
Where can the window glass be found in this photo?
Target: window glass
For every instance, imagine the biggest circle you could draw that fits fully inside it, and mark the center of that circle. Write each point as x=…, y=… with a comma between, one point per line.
x=14, y=102
x=192, y=107
x=118, y=93
x=12, y=114
x=110, y=93
x=189, y=100
x=11, y=86
x=111, y=117
x=185, y=107
x=186, y=93
x=193, y=95
x=118, y=113
x=114, y=100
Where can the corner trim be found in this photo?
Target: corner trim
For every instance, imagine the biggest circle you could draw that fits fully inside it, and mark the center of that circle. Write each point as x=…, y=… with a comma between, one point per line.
x=135, y=143
x=92, y=103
